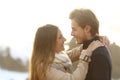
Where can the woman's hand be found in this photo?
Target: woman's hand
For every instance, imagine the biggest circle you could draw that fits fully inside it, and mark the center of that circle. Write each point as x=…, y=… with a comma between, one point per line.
x=104, y=40
x=93, y=46
x=86, y=54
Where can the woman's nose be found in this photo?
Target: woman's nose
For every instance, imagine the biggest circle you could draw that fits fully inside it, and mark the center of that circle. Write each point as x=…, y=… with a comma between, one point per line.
x=64, y=39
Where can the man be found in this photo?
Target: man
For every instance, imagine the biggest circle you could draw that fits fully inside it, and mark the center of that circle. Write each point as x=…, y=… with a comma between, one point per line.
x=85, y=28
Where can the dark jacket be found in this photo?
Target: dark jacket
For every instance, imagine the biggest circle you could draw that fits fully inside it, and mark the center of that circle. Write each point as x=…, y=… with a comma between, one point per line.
x=100, y=66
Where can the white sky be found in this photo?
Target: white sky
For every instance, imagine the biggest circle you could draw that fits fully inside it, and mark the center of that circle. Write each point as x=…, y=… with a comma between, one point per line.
x=19, y=20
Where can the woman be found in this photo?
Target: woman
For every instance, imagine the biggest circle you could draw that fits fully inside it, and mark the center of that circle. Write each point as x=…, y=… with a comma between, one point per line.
x=47, y=61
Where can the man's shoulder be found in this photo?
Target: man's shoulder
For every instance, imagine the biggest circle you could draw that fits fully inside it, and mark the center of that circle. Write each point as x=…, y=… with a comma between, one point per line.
x=103, y=50
x=102, y=54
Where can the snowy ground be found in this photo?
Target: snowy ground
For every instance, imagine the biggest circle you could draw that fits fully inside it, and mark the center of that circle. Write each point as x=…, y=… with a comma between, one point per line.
x=9, y=75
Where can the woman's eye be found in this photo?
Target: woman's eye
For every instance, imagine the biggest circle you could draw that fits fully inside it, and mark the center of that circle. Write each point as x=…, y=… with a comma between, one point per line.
x=60, y=37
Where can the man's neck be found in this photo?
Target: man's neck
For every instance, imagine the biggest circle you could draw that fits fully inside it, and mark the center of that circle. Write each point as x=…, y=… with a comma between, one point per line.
x=87, y=42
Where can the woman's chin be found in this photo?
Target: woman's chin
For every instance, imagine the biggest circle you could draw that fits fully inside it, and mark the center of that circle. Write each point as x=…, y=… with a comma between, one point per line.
x=78, y=42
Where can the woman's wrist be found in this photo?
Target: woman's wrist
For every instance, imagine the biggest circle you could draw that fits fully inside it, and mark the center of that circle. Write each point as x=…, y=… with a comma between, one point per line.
x=85, y=56
x=88, y=52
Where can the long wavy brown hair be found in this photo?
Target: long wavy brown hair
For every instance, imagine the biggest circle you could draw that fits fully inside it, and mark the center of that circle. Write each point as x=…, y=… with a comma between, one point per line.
x=43, y=51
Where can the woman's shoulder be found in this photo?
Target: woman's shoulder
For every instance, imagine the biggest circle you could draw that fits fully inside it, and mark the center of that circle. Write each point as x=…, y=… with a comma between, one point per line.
x=56, y=72
x=58, y=66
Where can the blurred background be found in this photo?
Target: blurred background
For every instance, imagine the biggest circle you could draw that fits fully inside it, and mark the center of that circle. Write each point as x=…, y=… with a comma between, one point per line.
x=19, y=20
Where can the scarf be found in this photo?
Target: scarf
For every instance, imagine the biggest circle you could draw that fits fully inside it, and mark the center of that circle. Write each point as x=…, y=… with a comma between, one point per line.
x=62, y=58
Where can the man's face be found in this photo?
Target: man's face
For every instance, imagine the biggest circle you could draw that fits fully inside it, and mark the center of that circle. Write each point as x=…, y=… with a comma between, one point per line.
x=78, y=32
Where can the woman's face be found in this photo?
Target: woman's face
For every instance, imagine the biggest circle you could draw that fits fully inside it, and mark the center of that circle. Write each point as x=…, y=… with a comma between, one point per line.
x=60, y=41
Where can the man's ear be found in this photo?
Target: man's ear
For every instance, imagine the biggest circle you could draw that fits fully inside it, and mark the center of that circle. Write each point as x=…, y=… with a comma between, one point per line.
x=87, y=28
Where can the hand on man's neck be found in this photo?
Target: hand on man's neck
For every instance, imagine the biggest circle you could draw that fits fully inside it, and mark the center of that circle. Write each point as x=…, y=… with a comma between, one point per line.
x=87, y=42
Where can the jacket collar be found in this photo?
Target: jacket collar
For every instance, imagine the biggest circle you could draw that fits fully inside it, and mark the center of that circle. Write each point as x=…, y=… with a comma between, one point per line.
x=87, y=43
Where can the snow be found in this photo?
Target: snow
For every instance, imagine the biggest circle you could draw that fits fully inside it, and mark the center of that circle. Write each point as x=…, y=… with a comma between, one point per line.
x=11, y=75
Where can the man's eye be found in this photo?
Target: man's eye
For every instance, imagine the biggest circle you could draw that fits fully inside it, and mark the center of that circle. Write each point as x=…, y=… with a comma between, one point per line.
x=74, y=29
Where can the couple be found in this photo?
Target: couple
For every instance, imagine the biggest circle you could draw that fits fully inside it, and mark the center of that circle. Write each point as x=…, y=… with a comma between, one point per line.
x=48, y=62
